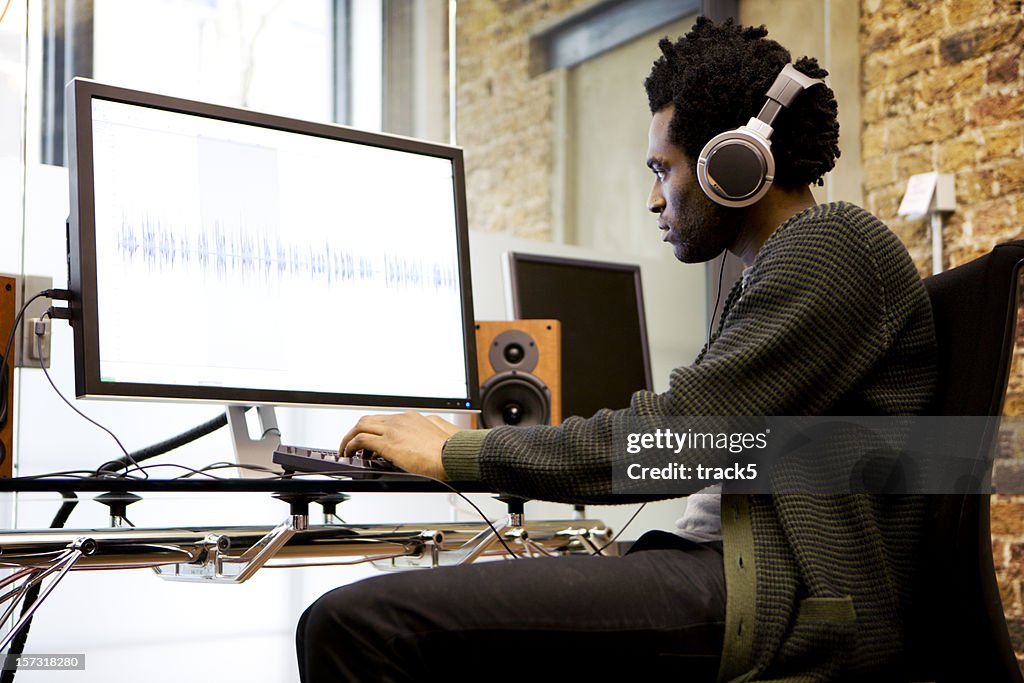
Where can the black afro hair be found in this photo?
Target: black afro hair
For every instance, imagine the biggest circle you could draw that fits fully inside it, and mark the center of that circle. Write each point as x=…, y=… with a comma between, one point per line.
x=717, y=76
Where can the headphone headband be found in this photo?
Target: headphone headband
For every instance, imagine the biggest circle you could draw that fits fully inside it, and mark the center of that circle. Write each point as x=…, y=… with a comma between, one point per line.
x=789, y=84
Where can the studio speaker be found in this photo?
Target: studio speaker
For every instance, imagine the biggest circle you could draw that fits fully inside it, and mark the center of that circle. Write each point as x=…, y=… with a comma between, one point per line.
x=520, y=368
x=8, y=311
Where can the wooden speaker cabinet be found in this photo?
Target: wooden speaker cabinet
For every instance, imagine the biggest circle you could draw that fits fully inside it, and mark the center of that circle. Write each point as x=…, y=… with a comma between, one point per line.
x=520, y=367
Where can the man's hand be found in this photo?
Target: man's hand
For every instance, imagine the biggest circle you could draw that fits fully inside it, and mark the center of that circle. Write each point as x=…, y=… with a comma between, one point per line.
x=410, y=440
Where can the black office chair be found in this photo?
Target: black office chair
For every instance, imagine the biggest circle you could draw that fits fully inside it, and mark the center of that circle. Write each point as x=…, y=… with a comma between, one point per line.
x=962, y=634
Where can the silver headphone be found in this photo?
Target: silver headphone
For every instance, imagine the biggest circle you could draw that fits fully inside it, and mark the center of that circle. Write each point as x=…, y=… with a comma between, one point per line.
x=736, y=167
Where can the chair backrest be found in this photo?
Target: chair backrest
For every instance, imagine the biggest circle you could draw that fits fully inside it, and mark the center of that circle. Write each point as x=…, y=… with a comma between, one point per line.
x=975, y=312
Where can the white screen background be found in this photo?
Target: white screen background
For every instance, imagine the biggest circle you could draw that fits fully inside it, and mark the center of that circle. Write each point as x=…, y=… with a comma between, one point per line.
x=239, y=256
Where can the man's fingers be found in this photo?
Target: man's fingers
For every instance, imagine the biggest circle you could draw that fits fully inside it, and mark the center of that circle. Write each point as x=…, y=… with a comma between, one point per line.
x=366, y=442
x=367, y=425
x=408, y=440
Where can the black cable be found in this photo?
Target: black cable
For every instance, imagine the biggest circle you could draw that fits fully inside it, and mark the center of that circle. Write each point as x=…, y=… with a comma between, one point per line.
x=4, y=382
x=7, y=350
x=70, y=501
x=190, y=470
x=166, y=445
x=460, y=494
x=66, y=508
x=616, y=536
x=72, y=474
x=151, y=451
x=278, y=474
x=72, y=406
x=718, y=296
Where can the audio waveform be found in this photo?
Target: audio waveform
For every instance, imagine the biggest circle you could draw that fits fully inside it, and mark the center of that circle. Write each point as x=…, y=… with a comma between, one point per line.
x=230, y=253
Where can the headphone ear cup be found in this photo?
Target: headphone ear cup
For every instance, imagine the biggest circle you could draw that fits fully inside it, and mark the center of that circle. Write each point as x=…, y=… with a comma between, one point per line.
x=736, y=168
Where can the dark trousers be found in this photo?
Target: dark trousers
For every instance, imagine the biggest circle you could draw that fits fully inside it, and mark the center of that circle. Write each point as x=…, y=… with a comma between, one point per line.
x=656, y=613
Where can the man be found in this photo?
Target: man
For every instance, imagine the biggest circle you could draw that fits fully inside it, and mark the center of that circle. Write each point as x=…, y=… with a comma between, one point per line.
x=830, y=317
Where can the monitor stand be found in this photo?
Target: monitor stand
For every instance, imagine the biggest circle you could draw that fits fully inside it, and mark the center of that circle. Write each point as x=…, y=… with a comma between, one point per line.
x=250, y=451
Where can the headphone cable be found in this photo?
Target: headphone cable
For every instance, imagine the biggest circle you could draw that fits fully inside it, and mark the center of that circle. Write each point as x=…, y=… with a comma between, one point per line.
x=718, y=297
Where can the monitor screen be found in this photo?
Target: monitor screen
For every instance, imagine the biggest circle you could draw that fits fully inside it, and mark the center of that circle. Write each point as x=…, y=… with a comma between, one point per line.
x=605, y=356
x=226, y=255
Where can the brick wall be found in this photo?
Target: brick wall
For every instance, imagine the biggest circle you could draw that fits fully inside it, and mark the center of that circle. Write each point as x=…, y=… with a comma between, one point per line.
x=504, y=118
x=943, y=89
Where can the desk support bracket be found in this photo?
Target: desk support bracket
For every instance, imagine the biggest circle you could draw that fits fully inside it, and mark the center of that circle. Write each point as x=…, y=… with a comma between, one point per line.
x=214, y=565
x=429, y=552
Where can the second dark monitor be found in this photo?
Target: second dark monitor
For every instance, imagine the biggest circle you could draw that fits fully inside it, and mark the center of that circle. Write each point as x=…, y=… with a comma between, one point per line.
x=605, y=355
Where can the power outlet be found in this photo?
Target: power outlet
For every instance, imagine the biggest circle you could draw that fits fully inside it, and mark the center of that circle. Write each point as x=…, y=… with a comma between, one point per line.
x=37, y=347
x=25, y=354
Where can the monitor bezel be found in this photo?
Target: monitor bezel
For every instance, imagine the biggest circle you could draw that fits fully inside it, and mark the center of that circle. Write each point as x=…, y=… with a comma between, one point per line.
x=515, y=257
x=82, y=275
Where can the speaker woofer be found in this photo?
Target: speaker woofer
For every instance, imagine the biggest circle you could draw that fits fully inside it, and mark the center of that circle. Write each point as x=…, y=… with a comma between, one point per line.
x=514, y=398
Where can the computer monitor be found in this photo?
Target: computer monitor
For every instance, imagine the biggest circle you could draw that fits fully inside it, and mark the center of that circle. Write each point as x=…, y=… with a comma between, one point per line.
x=226, y=255
x=605, y=354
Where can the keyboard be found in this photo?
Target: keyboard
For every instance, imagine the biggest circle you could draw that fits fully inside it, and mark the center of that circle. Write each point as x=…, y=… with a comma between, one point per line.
x=359, y=466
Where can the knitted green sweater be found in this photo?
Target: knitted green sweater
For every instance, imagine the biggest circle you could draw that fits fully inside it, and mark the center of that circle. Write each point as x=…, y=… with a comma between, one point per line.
x=833, y=320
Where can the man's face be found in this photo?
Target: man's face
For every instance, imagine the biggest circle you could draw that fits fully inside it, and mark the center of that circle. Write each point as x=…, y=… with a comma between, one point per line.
x=697, y=228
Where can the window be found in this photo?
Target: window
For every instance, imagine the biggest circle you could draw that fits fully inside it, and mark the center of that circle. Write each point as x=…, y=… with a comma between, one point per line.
x=324, y=60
